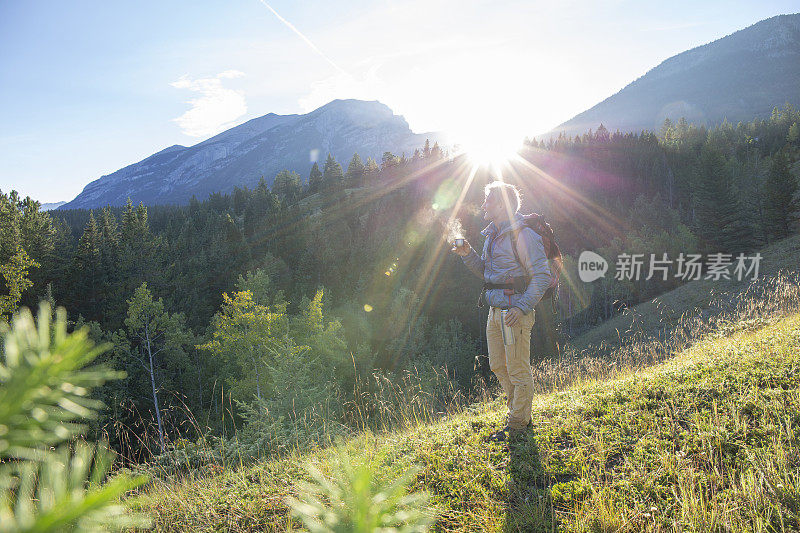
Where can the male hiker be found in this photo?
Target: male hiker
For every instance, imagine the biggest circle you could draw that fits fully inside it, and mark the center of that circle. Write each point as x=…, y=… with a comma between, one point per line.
x=514, y=282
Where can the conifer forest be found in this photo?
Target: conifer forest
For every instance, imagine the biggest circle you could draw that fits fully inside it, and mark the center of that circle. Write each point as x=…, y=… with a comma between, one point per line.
x=275, y=315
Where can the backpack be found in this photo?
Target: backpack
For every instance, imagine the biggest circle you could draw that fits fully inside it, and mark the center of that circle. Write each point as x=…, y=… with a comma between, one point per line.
x=538, y=224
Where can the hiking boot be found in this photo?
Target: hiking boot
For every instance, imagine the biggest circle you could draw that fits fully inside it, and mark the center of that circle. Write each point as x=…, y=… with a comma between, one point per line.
x=516, y=434
x=508, y=433
x=500, y=435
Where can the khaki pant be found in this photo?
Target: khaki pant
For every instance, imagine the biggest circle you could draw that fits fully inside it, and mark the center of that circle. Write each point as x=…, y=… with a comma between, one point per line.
x=512, y=366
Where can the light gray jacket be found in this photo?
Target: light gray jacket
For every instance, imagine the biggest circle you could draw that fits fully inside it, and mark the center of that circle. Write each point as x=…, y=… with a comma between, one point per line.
x=497, y=263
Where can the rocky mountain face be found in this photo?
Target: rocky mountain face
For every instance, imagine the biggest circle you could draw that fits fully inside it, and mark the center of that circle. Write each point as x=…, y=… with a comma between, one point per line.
x=739, y=77
x=260, y=147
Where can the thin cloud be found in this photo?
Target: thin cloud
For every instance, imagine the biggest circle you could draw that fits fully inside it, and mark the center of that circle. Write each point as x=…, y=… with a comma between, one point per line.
x=215, y=109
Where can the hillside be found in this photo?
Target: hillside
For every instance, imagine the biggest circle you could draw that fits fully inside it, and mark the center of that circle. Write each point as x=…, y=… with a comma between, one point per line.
x=738, y=77
x=700, y=298
x=261, y=147
x=702, y=441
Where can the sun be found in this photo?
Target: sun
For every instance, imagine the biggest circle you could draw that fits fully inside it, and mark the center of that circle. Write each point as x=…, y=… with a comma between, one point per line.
x=490, y=149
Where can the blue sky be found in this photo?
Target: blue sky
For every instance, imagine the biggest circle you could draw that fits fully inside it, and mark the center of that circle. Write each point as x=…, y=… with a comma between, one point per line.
x=89, y=87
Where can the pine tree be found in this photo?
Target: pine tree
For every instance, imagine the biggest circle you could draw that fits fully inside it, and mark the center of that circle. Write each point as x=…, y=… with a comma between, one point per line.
x=602, y=134
x=793, y=137
x=86, y=272
x=109, y=280
x=371, y=169
x=426, y=150
x=314, y=179
x=138, y=248
x=781, y=206
x=719, y=217
x=332, y=175
x=355, y=172
x=667, y=131
x=287, y=186
x=389, y=160
x=239, y=200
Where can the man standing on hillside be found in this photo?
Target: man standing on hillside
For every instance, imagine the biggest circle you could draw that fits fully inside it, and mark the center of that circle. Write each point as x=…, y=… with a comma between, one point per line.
x=513, y=285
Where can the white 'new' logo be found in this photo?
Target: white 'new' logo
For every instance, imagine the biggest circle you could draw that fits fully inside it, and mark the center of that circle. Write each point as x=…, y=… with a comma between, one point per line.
x=591, y=266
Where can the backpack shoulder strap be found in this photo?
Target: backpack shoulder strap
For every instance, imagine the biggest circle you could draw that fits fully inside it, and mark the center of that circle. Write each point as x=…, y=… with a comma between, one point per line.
x=514, y=238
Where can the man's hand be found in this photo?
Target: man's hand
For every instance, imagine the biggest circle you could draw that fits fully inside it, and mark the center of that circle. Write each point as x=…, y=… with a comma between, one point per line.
x=514, y=317
x=462, y=250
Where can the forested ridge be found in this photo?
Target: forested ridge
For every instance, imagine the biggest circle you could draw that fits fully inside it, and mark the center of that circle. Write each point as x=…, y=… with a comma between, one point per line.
x=272, y=310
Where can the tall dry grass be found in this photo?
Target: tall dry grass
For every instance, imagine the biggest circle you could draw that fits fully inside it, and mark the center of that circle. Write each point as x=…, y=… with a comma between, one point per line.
x=636, y=348
x=382, y=401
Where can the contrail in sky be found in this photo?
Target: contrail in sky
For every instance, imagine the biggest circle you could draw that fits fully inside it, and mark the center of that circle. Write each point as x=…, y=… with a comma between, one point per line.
x=306, y=39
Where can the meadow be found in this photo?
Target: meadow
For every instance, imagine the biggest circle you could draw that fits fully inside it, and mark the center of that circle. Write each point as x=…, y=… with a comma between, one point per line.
x=695, y=433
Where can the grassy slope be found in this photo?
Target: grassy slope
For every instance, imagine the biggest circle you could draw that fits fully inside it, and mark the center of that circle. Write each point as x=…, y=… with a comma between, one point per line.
x=692, y=297
x=711, y=437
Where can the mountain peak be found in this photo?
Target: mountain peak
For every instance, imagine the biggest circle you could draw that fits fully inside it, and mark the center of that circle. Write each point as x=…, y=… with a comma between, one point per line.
x=363, y=112
x=262, y=146
x=740, y=77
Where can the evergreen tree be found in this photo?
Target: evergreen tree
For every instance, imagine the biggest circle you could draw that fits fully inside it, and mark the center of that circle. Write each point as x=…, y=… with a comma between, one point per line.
x=112, y=309
x=314, y=179
x=239, y=200
x=426, y=150
x=332, y=175
x=389, y=160
x=793, y=137
x=781, y=206
x=436, y=152
x=667, y=131
x=138, y=249
x=720, y=219
x=355, y=172
x=86, y=272
x=287, y=186
x=371, y=169
x=260, y=286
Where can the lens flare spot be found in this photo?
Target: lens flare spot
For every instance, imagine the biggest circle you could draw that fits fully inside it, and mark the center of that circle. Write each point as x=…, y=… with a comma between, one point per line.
x=367, y=308
x=388, y=273
x=435, y=206
x=446, y=195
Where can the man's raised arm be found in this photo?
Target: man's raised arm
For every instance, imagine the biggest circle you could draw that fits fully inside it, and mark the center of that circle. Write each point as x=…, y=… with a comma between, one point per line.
x=471, y=258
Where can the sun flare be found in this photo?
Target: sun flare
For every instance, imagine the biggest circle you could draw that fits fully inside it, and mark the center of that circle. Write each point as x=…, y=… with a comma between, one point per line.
x=490, y=149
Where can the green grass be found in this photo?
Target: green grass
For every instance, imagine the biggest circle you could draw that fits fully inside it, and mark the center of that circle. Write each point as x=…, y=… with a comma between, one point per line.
x=707, y=441
x=701, y=298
